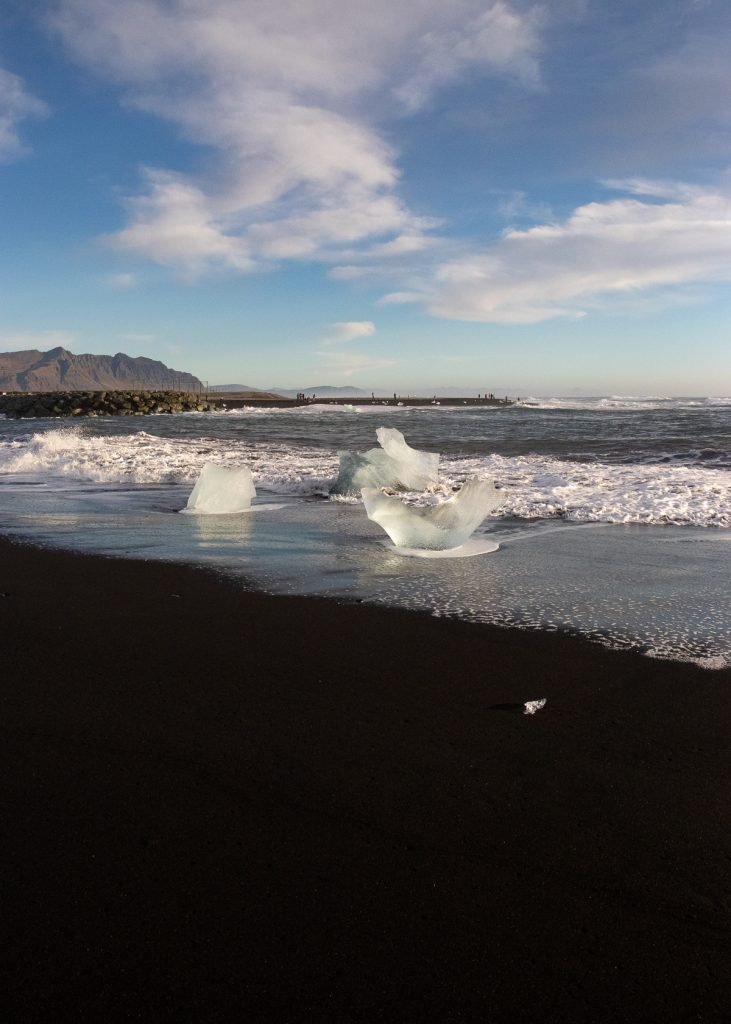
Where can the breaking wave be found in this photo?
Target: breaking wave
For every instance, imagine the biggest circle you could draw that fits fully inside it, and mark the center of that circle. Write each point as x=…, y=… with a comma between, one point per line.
x=616, y=403
x=536, y=486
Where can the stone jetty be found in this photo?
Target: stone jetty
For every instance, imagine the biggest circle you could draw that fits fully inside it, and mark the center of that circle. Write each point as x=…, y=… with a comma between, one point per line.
x=21, y=405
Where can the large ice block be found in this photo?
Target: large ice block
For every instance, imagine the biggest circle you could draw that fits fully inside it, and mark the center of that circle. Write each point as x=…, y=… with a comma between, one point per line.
x=221, y=490
x=435, y=527
x=394, y=465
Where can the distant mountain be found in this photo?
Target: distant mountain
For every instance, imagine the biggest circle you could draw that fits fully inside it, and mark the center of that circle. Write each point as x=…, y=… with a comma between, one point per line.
x=61, y=370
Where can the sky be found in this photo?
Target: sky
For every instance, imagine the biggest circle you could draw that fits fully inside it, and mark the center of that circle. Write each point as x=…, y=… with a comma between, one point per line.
x=531, y=198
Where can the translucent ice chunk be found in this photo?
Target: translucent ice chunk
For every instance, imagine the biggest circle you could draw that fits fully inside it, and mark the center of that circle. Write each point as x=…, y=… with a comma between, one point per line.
x=221, y=489
x=436, y=527
x=394, y=465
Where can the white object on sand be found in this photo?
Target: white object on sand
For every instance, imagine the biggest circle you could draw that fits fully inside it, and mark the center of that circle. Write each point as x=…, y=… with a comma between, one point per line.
x=221, y=490
x=436, y=527
x=394, y=465
x=531, y=706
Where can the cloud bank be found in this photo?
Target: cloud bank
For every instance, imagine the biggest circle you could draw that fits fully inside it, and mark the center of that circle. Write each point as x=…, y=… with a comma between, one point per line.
x=291, y=99
x=675, y=235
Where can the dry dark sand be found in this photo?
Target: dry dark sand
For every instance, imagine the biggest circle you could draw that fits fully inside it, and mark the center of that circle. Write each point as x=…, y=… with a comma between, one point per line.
x=220, y=806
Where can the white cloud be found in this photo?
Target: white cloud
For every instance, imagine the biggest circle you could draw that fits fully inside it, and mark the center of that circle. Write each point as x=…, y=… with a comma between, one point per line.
x=175, y=225
x=345, y=364
x=498, y=40
x=620, y=247
x=280, y=92
x=348, y=330
x=18, y=341
x=16, y=105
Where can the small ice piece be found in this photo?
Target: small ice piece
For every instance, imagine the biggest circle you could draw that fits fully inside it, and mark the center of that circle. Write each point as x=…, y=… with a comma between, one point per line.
x=221, y=490
x=393, y=465
x=436, y=527
x=531, y=706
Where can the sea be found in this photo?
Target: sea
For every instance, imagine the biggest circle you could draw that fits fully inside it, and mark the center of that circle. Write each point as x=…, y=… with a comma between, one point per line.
x=615, y=523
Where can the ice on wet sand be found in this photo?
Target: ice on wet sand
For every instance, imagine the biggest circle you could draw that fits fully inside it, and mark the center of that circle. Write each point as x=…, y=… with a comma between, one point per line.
x=394, y=465
x=435, y=527
x=221, y=490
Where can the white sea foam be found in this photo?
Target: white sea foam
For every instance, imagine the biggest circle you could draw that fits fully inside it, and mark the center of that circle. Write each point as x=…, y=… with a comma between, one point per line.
x=536, y=486
x=624, y=402
x=141, y=458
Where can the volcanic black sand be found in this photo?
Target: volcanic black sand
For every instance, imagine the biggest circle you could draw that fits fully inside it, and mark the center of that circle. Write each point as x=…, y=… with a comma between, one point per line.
x=223, y=806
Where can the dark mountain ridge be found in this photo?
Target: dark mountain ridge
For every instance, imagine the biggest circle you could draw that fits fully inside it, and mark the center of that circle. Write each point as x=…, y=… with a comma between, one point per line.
x=61, y=370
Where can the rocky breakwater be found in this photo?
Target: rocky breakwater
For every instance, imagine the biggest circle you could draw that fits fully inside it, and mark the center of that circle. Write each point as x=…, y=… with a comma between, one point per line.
x=21, y=405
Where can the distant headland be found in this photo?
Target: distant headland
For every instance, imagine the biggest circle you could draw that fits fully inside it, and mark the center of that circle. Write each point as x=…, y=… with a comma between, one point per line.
x=61, y=370
x=59, y=383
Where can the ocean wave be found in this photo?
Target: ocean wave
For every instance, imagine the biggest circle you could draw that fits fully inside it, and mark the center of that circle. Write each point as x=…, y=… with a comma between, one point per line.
x=535, y=486
x=618, y=403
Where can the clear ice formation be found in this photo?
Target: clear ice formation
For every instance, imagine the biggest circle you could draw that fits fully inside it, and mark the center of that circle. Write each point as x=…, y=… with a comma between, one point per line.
x=220, y=490
x=394, y=465
x=436, y=527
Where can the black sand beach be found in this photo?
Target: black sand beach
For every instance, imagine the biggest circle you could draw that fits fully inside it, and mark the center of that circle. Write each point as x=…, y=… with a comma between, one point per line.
x=223, y=806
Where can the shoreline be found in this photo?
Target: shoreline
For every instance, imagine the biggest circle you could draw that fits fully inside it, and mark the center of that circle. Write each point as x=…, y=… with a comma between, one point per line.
x=218, y=801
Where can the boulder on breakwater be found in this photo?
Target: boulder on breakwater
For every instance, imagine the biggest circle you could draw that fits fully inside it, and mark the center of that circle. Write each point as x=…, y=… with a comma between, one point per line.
x=21, y=405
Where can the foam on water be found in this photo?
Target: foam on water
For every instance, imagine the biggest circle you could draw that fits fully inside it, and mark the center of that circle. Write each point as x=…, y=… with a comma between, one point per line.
x=76, y=453
x=614, y=521
x=624, y=402
x=537, y=486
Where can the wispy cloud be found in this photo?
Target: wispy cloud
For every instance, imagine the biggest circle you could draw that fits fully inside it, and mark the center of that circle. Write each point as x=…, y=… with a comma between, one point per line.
x=679, y=237
x=348, y=330
x=498, y=40
x=346, y=364
x=16, y=105
x=291, y=98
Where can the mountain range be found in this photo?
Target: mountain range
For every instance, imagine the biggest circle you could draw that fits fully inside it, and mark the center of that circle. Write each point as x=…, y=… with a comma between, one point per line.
x=61, y=370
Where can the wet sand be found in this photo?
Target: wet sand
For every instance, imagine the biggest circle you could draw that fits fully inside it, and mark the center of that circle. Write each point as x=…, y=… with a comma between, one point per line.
x=218, y=805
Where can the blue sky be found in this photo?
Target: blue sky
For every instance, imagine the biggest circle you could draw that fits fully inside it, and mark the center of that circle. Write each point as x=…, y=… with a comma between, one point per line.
x=490, y=195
